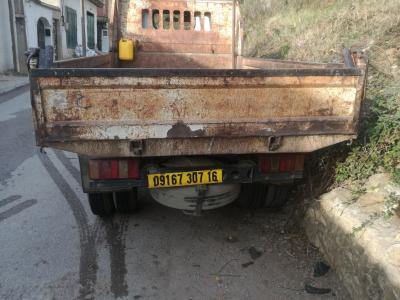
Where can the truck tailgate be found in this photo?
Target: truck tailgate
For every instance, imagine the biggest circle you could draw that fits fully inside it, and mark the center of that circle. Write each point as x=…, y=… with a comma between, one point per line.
x=93, y=105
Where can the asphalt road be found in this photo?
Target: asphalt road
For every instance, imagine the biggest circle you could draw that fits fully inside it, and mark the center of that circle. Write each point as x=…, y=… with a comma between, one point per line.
x=52, y=247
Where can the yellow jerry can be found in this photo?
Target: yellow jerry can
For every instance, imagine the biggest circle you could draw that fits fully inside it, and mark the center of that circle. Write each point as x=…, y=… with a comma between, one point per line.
x=126, y=49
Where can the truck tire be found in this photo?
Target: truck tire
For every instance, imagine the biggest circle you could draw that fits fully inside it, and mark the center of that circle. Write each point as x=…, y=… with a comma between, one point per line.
x=101, y=204
x=277, y=195
x=258, y=195
x=126, y=202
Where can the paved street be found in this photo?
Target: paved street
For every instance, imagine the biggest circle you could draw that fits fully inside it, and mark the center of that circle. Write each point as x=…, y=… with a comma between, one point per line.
x=52, y=247
x=9, y=83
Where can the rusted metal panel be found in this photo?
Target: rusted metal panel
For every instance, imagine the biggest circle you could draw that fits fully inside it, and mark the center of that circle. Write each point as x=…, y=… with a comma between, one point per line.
x=197, y=111
x=170, y=78
x=142, y=108
x=260, y=63
x=361, y=62
x=79, y=131
x=349, y=57
x=179, y=60
x=184, y=48
x=178, y=97
x=200, y=146
x=99, y=61
x=148, y=106
x=77, y=108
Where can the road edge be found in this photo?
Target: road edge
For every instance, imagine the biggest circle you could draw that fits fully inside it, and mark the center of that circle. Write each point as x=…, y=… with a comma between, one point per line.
x=10, y=94
x=367, y=260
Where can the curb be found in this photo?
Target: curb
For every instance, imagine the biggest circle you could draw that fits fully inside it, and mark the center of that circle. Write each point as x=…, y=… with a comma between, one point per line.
x=367, y=261
x=8, y=95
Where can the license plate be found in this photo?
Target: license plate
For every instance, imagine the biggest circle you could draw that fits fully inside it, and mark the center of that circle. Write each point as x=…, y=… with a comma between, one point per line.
x=161, y=180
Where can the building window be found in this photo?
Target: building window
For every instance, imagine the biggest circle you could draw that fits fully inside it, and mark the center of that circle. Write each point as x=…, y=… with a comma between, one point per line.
x=71, y=27
x=145, y=18
x=197, y=21
x=156, y=19
x=90, y=30
x=166, y=19
x=186, y=20
x=207, y=21
x=177, y=19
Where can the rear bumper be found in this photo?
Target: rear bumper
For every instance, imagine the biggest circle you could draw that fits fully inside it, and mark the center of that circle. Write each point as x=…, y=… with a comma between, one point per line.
x=295, y=143
x=242, y=172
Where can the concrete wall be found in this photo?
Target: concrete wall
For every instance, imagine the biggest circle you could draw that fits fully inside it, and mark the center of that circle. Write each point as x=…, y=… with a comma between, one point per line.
x=361, y=245
x=6, y=56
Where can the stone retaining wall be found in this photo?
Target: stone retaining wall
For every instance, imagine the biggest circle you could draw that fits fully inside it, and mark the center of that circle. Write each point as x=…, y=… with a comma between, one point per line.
x=368, y=260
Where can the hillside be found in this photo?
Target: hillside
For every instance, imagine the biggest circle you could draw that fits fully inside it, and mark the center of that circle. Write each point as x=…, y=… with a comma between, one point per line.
x=317, y=30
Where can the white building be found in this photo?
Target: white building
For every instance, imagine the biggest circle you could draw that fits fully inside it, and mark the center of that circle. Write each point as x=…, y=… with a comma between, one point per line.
x=58, y=23
x=72, y=30
x=41, y=23
x=41, y=19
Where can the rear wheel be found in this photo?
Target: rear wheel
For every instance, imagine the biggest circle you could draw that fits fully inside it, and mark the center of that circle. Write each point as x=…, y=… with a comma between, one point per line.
x=277, y=195
x=101, y=204
x=126, y=201
x=258, y=195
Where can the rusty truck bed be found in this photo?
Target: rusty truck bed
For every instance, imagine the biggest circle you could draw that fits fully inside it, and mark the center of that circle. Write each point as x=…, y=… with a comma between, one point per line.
x=293, y=107
x=224, y=104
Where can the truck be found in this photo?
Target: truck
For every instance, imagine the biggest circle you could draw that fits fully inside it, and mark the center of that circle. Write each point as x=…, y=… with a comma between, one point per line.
x=190, y=117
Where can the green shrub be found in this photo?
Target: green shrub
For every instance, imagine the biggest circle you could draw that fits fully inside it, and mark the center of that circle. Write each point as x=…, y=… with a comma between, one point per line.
x=317, y=30
x=379, y=141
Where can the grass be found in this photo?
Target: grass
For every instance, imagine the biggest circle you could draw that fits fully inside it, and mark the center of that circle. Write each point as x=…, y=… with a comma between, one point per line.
x=318, y=30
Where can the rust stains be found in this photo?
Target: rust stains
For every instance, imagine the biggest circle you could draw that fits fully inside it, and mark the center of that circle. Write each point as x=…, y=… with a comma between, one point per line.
x=198, y=146
x=216, y=112
x=181, y=130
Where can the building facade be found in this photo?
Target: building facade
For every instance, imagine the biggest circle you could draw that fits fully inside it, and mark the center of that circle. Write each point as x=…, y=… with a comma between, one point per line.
x=40, y=18
x=6, y=53
x=104, y=18
x=39, y=23
x=71, y=33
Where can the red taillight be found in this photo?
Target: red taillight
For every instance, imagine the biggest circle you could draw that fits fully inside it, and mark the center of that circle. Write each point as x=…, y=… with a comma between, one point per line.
x=287, y=164
x=113, y=169
x=264, y=164
x=133, y=168
x=106, y=169
x=280, y=163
